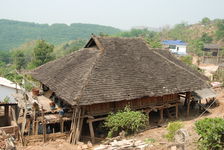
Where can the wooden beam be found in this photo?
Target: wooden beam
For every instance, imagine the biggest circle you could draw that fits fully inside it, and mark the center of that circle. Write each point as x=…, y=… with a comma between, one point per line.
x=97, y=119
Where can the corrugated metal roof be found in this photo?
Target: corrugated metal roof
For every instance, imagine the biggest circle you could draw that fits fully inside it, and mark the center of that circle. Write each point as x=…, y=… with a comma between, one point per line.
x=173, y=42
x=8, y=83
x=211, y=46
x=205, y=93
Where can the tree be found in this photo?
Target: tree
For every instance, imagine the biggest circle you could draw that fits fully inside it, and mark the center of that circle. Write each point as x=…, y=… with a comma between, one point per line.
x=42, y=53
x=5, y=56
x=211, y=132
x=206, y=21
x=220, y=30
x=19, y=59
x=206, y=38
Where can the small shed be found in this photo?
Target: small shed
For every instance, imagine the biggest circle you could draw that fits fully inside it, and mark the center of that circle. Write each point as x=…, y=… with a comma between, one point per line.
x=212, y=48
x=175, y=46
x=8, y=88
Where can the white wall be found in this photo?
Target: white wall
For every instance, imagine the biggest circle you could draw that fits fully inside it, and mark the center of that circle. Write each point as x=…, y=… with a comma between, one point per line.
x=6, y=91
x=180, y=51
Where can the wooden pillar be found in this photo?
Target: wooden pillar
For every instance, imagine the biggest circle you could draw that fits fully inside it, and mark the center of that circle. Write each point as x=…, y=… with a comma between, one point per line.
x=188, y=96
x=43, y=126
x=62, y=125
x=203, y=56
x=176, y=110
x=161, y=115
x=81, y=124
x=148, y=112
x=218, y=56
x=91, y=132
x=34, y=122
x=6, y=111
x=37, y=127
x=16, y=112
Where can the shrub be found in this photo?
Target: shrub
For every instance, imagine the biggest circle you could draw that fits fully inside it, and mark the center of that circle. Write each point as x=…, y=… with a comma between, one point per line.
x=126, y=120
x=172, y=129
x=211, y=131
x=149, y=140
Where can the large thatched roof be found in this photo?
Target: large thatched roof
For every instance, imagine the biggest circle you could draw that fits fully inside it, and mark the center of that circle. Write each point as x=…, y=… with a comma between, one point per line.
x=114, y=69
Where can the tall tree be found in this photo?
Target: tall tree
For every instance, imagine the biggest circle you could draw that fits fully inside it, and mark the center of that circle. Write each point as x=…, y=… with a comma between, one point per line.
x=206, y=21
x=220, y=30
x=206, y=38
x=19, y=59
x=42, y=53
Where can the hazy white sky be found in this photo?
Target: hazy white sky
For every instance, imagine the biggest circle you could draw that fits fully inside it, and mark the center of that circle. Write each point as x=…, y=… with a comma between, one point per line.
x=123, y=14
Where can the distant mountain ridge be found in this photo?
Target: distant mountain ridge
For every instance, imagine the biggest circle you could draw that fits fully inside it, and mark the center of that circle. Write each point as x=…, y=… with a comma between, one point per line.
x=14, y=33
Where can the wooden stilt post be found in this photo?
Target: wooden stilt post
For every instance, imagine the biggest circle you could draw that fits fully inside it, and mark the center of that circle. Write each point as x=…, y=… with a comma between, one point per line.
x=6, y=111
x=37, y=127
x=176, y=110
x=188, y=103
x=43, y=127
x=73, y=125
x=161, y=115
x=188, y=108
x=81, y=124
x=34, y=122
x=62, y=126
x=148, y=117
x=75, y=140
x=91, y=132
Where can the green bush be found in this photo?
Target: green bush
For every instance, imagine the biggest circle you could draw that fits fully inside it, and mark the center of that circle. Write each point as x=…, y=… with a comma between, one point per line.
x=172, y=129
x=126, y=120
x=149, y=140
x=211, y=131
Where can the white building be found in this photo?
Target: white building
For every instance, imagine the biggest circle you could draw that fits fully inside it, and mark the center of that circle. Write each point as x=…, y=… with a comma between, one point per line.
x=176, y=46
x=7, y=88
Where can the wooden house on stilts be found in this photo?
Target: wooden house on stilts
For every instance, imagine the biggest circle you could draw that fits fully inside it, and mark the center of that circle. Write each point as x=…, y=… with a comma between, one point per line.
x=110, y=73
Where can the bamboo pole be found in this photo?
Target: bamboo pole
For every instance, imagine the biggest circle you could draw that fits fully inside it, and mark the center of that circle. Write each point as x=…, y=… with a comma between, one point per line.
x=43, y=126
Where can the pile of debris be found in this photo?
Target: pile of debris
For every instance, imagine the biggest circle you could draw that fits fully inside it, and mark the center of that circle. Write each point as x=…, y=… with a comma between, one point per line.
x=6, y=141
x=124, y=144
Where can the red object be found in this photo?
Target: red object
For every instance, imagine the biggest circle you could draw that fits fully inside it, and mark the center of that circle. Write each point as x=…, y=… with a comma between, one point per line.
x=35, y=92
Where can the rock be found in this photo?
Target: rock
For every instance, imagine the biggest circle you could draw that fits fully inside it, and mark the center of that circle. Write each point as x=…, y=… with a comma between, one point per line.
x=124, y=145
x=84, y=146
x=89, y=144
x=80, y=143
x=181, y=136
x=102, y=147
x=173, y=148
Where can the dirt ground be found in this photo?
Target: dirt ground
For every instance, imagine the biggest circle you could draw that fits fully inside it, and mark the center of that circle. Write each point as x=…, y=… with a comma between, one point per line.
x=157, y=133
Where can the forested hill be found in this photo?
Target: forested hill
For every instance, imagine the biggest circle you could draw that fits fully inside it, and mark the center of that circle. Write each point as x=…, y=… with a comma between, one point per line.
x=15, y=33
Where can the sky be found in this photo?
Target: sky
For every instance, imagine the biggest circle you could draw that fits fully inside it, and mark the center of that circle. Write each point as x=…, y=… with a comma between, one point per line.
x=123, y=14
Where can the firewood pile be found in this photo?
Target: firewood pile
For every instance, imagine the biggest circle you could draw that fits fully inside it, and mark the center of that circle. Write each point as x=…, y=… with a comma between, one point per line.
x=6, y=141
x=124, y=144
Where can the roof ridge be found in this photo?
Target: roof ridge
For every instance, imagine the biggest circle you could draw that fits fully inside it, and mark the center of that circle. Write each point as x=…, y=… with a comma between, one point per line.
x=178, y=65
x=80, y=93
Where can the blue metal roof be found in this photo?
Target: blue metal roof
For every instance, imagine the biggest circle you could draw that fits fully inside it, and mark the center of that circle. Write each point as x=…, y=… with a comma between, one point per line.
x=173, y=42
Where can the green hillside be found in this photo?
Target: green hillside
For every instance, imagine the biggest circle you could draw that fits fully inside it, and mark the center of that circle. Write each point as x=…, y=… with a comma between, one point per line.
x=15, y=33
